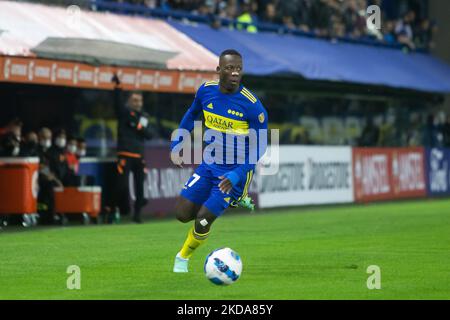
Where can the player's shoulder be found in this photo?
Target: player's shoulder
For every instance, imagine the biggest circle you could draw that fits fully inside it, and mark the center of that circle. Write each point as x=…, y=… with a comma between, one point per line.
x=212, y=83
x=207, y=86
x=255, y=107
x=249, y=95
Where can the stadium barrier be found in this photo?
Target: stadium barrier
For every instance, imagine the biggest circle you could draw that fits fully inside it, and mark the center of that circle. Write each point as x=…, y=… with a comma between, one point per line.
x=438, y=172
x=308, y=175
x=78, y=200
x=388, y=173
x=311, y=175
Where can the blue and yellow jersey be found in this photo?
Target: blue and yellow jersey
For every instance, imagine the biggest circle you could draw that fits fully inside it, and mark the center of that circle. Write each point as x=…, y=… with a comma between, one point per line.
x=232, y=116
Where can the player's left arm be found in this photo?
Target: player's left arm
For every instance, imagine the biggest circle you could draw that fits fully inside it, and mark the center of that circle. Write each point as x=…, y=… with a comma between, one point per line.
x=257, y=121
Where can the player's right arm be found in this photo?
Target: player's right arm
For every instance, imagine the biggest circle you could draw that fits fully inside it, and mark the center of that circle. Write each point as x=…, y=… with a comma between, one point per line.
x=187, y=123
x=258, y=121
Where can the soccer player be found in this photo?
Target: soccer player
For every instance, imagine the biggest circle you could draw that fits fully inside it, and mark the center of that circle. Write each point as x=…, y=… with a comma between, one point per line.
x=231, y=111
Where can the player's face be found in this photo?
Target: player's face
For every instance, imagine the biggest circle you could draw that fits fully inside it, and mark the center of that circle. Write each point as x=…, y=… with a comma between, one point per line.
x=136, y=102
x=230, y=72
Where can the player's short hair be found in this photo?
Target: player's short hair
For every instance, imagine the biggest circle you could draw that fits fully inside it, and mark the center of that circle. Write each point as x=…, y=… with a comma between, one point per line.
x=230, y=52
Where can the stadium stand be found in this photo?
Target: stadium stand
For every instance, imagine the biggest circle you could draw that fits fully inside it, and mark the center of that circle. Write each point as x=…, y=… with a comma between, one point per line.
x=344, y=20
x=406, y=24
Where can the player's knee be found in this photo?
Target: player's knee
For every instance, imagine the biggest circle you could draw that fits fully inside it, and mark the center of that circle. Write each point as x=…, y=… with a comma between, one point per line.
x=183, y=212
x=200, y=228
x=203, y=222
x=183, y=217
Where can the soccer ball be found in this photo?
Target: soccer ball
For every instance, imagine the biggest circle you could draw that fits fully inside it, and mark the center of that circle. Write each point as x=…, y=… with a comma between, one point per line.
x=223, y=266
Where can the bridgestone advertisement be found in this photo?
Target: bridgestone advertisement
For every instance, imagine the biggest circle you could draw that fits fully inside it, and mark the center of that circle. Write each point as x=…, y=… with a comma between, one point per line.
x=308, y=175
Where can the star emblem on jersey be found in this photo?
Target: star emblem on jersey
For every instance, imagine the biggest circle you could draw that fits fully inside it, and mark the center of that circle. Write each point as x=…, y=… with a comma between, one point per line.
x=261, y=117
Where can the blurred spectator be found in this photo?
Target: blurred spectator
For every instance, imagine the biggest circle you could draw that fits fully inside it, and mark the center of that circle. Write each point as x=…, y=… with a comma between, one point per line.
x=405, y=25
x=446, y=132
x=338, y=30
x=388, y=131
x=45, y=142
x=14, y=125
x=389, y=32
x=404, y=29
x=247, y=18
x=439, y=123
x=30, y=145
x=271, y=15
x=71, y=155
x=336, y=18
x=81, y=148
x=354, y=18
x=9, y=145
x=152, y=4
x=71, y=178
x=430, y=133
x=229, y=10
x=216, y=23
x=288, y=11
x=47, y=180
x=288, y=21
x=424, y=35
x=320, y=14
x=413, y=135
x=57, y=156
x=370, y=134
x=10, y=139
x=303, y=18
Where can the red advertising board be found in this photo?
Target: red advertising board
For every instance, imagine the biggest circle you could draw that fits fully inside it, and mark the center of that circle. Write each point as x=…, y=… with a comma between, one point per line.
x=372, y=174
x=81, y=75
x=408, y=172
x=388, y=173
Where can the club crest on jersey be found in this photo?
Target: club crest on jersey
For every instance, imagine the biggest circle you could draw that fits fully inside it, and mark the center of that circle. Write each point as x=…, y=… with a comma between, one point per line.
x=261, y=117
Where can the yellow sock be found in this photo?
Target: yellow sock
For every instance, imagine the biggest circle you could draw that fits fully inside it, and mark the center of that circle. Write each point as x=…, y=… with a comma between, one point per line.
x=193, y=241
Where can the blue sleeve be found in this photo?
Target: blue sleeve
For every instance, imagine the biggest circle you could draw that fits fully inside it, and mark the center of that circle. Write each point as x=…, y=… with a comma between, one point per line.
x=258, y=120
x=189, y=117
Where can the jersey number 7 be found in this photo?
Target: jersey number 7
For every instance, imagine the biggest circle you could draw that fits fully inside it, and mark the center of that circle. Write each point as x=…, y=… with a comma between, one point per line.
x=190, y=182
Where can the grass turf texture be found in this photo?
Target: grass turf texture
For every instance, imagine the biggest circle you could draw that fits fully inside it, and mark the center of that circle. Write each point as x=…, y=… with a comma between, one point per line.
x=309, y=253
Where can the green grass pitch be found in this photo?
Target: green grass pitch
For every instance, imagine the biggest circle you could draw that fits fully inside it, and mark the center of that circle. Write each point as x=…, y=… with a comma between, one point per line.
x=306, y=253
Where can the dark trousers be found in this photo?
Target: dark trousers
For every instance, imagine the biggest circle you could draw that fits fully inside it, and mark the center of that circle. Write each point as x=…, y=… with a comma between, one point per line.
x=121, y=199
x=46, y=199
